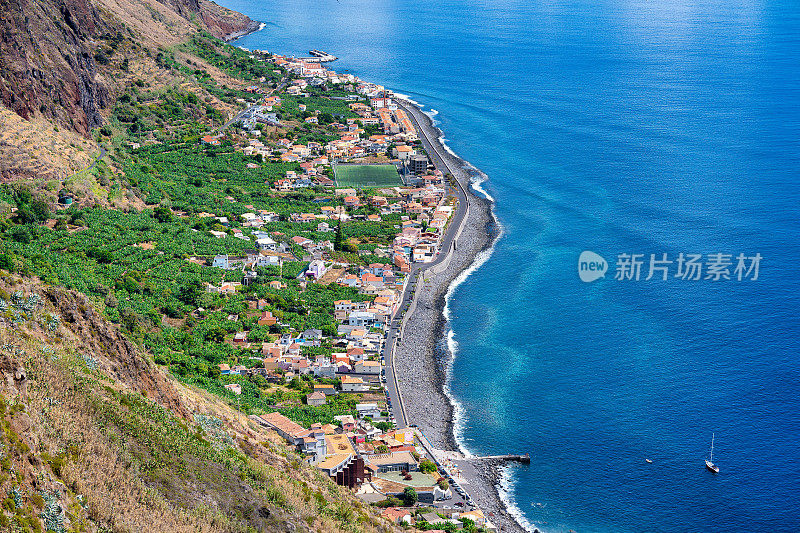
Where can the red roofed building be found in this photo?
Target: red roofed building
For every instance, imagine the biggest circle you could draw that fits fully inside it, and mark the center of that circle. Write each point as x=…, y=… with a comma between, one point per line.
x=355, y=354
x=267, y=319
x=402, y=263
x=397, y=515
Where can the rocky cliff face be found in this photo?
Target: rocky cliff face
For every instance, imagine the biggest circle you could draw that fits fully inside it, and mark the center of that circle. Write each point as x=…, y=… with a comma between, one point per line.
x=54, y=53
x=224, y=23
x=47, y=63
x=183, y=7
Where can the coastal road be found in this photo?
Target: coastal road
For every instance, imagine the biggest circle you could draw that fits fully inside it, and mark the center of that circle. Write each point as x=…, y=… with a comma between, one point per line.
x=430, y=140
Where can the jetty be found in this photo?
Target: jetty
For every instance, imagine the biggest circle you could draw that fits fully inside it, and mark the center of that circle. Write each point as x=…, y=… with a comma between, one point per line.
x=318, y=56
x=518, y=458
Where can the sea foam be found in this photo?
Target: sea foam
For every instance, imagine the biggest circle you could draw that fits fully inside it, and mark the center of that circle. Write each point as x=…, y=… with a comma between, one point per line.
x=505, y=488
x=478, y=178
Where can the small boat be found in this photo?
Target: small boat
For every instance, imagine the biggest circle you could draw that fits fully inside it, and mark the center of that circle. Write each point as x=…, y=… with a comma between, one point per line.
x=710, y=461
x=649, y=460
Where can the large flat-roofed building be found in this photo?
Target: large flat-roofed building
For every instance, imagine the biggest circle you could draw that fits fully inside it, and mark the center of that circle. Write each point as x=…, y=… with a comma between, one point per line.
x=346, y=470
x=418, y=164
x=392, y=462
x=310, y=442
x=343, y=464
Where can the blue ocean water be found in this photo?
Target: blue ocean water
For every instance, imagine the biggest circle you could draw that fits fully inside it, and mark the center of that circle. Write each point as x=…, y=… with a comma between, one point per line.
x=618, y=126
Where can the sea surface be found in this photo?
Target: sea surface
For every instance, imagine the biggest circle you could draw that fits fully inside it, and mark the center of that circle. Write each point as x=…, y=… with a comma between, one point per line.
x=616, y=126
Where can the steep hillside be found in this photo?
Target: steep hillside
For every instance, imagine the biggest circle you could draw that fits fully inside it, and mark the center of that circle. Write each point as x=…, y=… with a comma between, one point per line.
x=47, y=64
x=36, y=149
x=224, y=23
x=95, y=437
x=59, y=58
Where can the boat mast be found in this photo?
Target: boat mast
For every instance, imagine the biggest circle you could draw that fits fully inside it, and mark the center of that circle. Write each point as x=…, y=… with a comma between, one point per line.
x=712, y=448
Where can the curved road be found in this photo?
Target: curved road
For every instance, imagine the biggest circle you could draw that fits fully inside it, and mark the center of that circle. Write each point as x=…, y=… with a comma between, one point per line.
x=238, y=116
x=103, y=153
x=430, y=141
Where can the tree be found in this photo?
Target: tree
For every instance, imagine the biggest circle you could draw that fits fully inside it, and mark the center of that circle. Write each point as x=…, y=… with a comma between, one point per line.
x=190, y=292
x=100, y=255
x=22, y=196
x=337, y=241
x=426, y=466
x=40, y=210
x=21, y=234
x=215, y=334
x=296, y=384
x=162, y=214
x=383, y=426
x=410, y=496
x=8, y=261
x=24, y=215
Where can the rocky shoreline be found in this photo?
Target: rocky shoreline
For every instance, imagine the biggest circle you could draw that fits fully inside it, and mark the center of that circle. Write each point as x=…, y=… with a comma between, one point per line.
x=252, y=27
x=225, y=23
x=423, y=358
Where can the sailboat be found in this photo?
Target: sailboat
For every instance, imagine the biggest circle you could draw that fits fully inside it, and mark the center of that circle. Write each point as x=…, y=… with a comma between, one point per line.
x=710, y=461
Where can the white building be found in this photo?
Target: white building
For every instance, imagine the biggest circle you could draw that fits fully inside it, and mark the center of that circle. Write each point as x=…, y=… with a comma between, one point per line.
x=350, y=384
x=368, y=409
x=266, y=243
x=361, y=318
x=368, y=367
x=316, y=269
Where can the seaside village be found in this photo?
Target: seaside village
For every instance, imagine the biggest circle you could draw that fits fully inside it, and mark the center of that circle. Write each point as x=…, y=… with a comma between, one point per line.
x=384, y=212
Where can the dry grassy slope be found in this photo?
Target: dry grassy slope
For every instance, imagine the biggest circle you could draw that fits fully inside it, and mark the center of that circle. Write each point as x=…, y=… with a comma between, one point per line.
x=95, y=437
x=33, y=149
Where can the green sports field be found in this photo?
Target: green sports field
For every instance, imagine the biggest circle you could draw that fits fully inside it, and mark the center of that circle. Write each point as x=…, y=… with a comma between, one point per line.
x=364, y=176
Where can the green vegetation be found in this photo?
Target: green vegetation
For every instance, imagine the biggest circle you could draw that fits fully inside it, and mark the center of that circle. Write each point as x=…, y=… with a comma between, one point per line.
x=362, y=176
x=134, y=263
x=232, y=60
x=426, y=466
x=200, y=178
x=410, y=496
x=167, y=112
x=335, y=109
